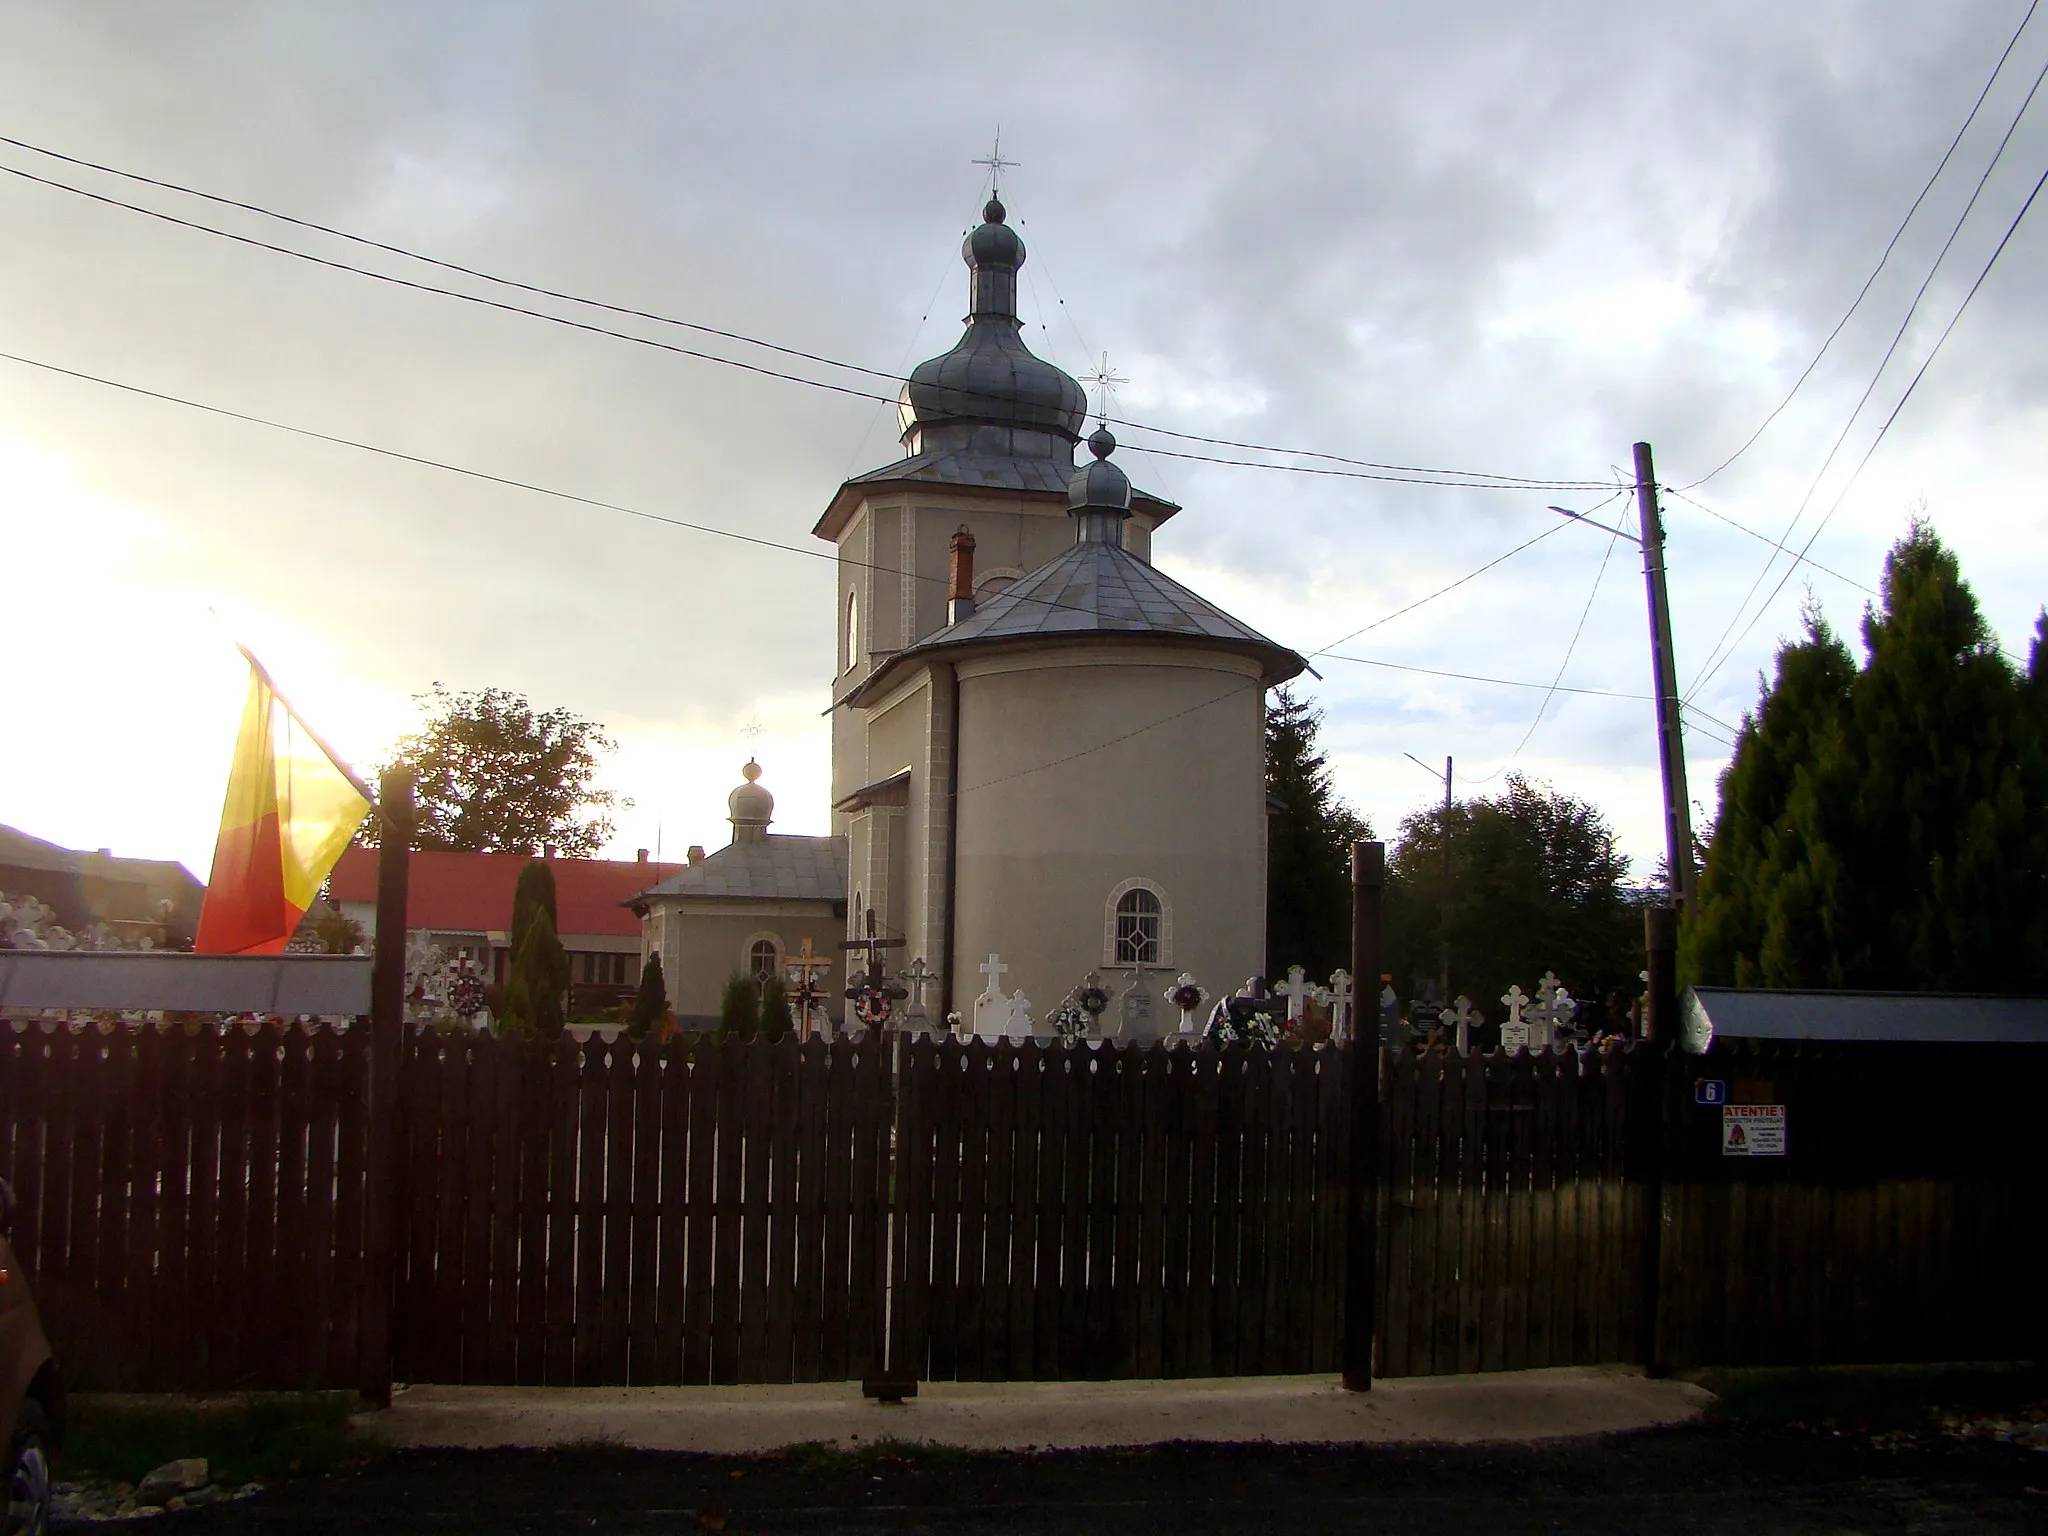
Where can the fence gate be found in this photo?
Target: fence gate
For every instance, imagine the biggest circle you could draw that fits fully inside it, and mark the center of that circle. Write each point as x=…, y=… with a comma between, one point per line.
x=609, y=1214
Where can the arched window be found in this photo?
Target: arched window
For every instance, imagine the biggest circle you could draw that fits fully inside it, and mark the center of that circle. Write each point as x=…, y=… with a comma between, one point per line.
x=998, y=579
x=1137, y=928
x=852, y=630
x=763, y=959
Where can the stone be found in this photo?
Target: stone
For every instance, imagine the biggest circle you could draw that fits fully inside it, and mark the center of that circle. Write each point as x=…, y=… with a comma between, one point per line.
x=248, y=1491
x=173, y=1477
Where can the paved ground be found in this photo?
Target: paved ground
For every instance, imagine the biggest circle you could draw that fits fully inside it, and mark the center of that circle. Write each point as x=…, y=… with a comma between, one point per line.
x=1456, y=1410
x=1696, y=1478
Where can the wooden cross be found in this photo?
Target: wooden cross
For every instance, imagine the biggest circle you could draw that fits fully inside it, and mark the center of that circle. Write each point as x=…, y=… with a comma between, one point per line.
x=1296, y=990
x=872, y=945
x=808, y=996
x=996, y=163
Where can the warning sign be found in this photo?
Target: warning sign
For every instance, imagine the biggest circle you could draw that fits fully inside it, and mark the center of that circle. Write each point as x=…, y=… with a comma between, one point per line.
x=1753, y=1130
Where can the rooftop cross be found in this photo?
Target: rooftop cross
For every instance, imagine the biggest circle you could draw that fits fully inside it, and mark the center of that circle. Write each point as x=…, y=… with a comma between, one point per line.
x=753, y=731
x=996, y=163
x=1105, y=383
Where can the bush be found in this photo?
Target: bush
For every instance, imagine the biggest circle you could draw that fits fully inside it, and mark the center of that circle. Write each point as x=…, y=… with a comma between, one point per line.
x=774, y=1008
x=739, y=1007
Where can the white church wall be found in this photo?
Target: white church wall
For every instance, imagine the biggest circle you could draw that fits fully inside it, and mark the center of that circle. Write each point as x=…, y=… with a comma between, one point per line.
x=1180, y=805
x=705, y=942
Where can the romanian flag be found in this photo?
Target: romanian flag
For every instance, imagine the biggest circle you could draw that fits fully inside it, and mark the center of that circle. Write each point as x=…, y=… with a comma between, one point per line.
x=291, y=809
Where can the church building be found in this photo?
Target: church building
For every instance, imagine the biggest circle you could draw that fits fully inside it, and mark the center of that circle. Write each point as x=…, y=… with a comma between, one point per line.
x=1042, y=747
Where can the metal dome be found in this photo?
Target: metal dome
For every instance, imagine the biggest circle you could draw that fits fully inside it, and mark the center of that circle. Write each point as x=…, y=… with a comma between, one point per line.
x=990, y=378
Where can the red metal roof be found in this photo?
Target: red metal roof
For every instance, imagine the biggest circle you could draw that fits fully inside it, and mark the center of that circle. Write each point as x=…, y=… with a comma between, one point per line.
x=472, y=892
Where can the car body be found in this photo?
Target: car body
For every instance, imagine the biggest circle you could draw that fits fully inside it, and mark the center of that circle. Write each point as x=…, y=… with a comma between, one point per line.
x=31, y=1394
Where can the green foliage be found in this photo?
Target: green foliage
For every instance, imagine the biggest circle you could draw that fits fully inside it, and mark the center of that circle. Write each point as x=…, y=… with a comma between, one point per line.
x=117, y=1439
x=1535, y=885
x=739, y=1007
x=338, y=934
x=650, y=1003
x=1886, y=826
x=537, y=980
x=1308, y=851
x=493, y=776
x=774, y=1019
x=535, y=892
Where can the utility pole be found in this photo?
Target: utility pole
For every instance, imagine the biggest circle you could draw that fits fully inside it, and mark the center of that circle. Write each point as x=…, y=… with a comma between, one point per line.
x=1443, y=914
x=1670, y=732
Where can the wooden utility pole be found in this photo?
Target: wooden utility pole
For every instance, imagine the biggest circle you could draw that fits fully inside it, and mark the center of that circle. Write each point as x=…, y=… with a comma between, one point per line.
x=381, y=1113
x=1362, y=1093
x=1670, y=731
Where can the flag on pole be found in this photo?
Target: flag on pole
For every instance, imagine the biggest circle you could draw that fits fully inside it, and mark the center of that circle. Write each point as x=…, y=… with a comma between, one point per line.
x=291, y=809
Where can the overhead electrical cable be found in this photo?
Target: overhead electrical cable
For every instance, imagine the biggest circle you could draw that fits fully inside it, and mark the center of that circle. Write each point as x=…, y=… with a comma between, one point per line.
x=553, y=492
x=2011, y=230
x=1714, y=656
x=1765, y=538
x=1890, y=246
x=1388, y=618
x=1472, y=479
x=1498, y=682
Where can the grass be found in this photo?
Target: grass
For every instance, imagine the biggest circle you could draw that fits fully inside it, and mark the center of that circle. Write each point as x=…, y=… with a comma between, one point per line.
x=823, y=1456
x=1869, y=1399
x=267, y=1436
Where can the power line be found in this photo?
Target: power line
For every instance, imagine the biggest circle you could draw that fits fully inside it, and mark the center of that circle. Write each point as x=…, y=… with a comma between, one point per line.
x=513, y=483
x=1714, y=656
x=1557, y=678
x=1890, y=246
x=1401, y=473
x=1765, y=538
x=1935, y=352
x=1474, y=677
x=1452, y=587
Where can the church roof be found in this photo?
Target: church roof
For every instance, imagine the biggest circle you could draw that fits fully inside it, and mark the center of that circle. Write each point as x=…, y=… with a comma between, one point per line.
x=1097, y=590
x=776, y=868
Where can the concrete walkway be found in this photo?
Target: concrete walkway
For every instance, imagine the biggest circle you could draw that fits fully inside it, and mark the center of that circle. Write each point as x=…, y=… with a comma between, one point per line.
x=1463, y=1410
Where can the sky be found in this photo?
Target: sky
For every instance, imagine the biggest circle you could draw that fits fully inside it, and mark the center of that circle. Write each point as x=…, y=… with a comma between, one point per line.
x=1478, y=236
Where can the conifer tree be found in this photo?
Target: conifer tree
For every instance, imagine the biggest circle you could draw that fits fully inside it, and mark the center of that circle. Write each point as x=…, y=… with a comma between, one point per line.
x=650, y=1002
x=1308, y=850
x=774, y=1019
x=1884, y=827
x=538, y=977
x=739, y=1007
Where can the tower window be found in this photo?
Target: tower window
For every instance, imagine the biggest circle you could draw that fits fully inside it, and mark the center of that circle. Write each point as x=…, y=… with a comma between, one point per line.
x=1137, y=927
x=852, y=630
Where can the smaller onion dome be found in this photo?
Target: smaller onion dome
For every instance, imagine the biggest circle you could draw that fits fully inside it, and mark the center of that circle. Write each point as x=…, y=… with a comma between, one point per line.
x=750, y=807
x=1099, y=495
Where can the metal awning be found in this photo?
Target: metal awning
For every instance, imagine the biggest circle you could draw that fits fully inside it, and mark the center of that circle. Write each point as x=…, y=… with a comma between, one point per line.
x=132, y=980
x=1936, y=1018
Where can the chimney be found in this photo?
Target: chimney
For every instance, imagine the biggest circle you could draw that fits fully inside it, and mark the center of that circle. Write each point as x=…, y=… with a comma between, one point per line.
x=640, y=855
x=547, y=850
x=696, y=853
x=961, y=592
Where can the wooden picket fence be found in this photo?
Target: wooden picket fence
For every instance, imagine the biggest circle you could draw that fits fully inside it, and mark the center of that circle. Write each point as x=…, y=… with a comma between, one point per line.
x=193, y=1209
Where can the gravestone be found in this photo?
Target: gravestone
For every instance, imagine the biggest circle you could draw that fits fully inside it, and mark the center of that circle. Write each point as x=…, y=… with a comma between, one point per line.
x=991, y=1015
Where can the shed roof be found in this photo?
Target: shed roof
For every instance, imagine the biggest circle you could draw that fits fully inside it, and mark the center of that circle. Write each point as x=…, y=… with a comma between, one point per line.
x=778, y=867
x=472, y=892
x=1950, y=1018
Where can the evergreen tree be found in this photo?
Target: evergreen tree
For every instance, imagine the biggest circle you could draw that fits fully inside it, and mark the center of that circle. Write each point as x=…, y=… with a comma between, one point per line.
x=1885, y=827
x=535, y=892
x=774, y=1020
x=650, y=1002
x=1308, y=850
x=538, y=977
x=739, y=1007
x=1535, y=885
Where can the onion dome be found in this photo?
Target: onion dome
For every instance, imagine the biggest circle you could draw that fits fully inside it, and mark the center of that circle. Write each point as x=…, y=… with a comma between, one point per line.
x=990, y=379
x=1099, y=495
x=750, y=807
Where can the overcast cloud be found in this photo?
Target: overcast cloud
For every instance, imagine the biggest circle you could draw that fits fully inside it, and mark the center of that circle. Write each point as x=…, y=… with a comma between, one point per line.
x=1488, y=236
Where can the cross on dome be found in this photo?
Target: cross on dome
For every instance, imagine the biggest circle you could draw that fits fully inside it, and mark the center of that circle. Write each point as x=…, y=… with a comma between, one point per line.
x=996, y=164
x=1105, y=383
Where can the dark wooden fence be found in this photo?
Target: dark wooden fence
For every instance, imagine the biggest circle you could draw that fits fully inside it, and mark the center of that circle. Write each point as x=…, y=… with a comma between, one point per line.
x=192, y=1208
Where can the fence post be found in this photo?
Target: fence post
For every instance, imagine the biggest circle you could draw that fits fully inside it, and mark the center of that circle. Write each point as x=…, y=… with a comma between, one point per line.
x=1362, y=1093
x=382, y=1117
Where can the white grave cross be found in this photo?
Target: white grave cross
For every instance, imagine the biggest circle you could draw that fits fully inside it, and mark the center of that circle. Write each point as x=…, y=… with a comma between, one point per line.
x=1296, y=990
x=1340, y=1007
x=1514, y=1033
x=1462, y=1018
x=991, y=1009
